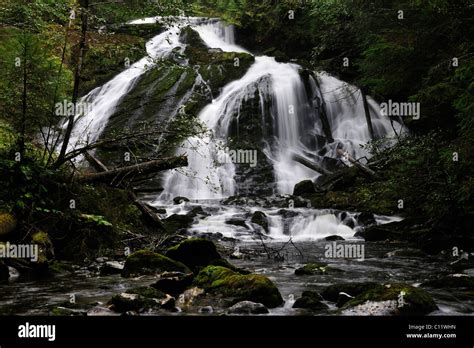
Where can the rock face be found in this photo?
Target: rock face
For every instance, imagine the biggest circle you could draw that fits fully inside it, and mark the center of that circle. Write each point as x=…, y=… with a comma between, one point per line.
x=248, y=307
x=173, y=282
x=147, y=262
x=237, y=287
x=194, y=252
x=140, y=299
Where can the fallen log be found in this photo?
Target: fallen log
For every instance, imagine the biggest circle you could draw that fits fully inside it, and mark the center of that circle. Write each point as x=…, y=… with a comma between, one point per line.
x=147, y=211
x=95, y=162
x=366, y=170
x=311, y=165
x=144, y=168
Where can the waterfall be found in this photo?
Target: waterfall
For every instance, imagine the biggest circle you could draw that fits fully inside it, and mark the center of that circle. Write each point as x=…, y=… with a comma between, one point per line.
x=293, y=113
x=293, y=117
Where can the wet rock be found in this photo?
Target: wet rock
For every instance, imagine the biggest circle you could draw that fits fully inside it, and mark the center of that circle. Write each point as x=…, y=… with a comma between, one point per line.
x=310, y=300
x=45, y=246
x=287, y=214
x=333, y=238
x=148, y=262
x=190, y=296
x=366, y=219
x=331, y=293
x=179, y=200
x=406, y=252
x=4, y=272
x=100, y=311
x=206, y=310
x=451, y=281
x=238, y=287
x=248, y=307
x=138, y=299
x=111, y=267
x=260, y=218
x=177, y=222
x=66, y=312
x=316, y=268
x=304, y=187
x=194, y=252
x=173, y=282
x=408, y=299
x=237, y=222
x=197, y=211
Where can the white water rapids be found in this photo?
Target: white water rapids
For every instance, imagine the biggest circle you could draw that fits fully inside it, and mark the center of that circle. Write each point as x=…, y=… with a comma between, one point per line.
x=279, y=82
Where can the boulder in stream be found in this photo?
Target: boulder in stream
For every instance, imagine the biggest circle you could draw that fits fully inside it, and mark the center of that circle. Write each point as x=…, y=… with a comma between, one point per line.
x=147, y=262
x=248, y=307
x=310, y=300
x=238, y=287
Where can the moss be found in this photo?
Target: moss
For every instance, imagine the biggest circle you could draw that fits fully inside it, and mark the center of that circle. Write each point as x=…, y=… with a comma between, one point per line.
x=415, y=301
x=194, y=252
x=331, y=293
x=7, y=224
x=148, y=262
x=238, y=287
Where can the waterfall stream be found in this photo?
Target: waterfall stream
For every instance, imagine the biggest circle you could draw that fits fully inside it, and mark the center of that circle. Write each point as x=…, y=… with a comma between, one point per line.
x=293, y=113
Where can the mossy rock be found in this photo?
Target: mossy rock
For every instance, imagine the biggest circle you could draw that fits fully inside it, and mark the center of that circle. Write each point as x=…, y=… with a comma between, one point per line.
x=194, y=252
x=7, y=224
x=238, y=287
x=46, y=249
x=331, y=293
x=410, y=300
x=310, y=300
x=451, y=281
x=316, y=268
x=260, y=219
x=147, y=262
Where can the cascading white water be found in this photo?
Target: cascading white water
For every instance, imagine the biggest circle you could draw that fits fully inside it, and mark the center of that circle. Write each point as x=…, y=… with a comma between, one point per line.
x=293, y=115
x=290, y=101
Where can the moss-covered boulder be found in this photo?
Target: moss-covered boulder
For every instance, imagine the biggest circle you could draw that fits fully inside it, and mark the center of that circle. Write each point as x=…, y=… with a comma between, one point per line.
x=310, y=300
x=260, y=218
x=238, y=287
x=147, y=262
x=403, y=299
x=316, y=268
x=7, y=224
x=194, y=252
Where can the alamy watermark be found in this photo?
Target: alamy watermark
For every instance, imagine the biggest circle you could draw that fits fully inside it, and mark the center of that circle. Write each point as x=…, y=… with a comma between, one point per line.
x=66, y=108
x=392, y=108
x=19, y=251
x=345, y=251
x=237, y=156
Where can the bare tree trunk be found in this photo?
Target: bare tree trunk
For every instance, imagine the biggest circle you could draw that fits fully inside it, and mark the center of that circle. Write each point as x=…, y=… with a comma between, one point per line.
x=367, y=113
x=136, y=169
x=324, y=116
x=24, y=102
x=366, y=170
x=77, y=78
